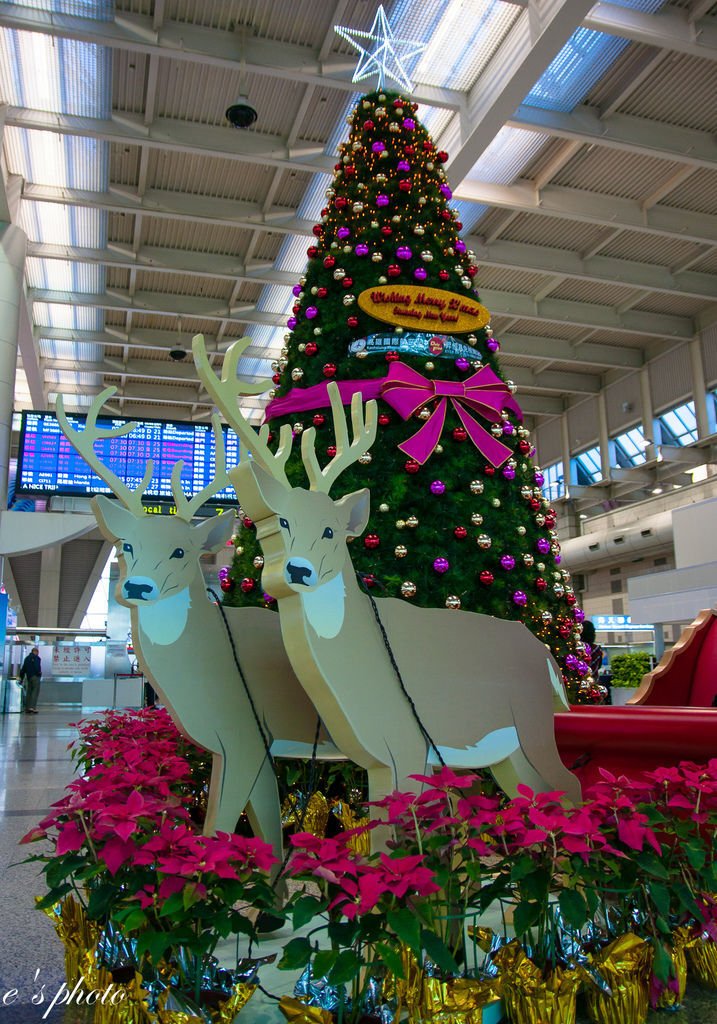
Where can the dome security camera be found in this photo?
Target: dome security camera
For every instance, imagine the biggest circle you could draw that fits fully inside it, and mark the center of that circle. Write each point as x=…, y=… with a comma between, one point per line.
x=241, y=114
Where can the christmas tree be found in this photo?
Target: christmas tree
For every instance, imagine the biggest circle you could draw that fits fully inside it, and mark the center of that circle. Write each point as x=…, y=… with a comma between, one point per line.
x=387, y=306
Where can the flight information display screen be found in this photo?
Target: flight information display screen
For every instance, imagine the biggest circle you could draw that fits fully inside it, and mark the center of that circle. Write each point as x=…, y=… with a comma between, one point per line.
x=48, y=464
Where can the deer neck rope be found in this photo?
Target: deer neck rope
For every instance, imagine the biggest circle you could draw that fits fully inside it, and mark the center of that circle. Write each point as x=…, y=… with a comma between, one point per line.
x=394, y=665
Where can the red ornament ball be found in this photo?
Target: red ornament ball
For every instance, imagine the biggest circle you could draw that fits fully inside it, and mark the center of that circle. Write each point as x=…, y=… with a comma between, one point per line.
x=409, y=150
x=347, y=282
x=442, y=155
x=318, y=230
x=312, y=252
x=352, y=321
x=340, y=202
x=489, y=470
x=570, y=598
x=331, y=451
x=534, y=504
x=247, y=585
x=226, y=585
x=541, y=584
x=392, y=356
x=329, y=262
x=383, y=419
x=445, y=214
x=371, y=541
x=460, y=434
x=565, y=630
x=411, y=466
x=405, y=184
x=387, y=230
x=349, y=170
x=471, y=270
x=368, y=125
x=319, y=419
x=524, y=447
x=247, y=523
x=443, y=275
x=329, y=369
x=368, y=579
x=393, y=270
x=311, y=348
x=460, y=532
x=486, y=577
x=322, y=292
x=427, y=146
x=276, y=377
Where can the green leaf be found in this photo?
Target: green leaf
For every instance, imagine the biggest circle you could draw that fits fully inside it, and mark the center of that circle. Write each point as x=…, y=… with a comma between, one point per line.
x=343, y=933
x=696, y=855
x=305, y=909
x=347, y=966
x=322, y=963
x=525, y=916
x=296, y=954
x=53, y=897
x=172, y=905
x=131, y=919
x=406, y=927
x=439, y=952
x=391, y=957
x=573, y=907
x=101, y=902
x=663, y=962
x=660, y=896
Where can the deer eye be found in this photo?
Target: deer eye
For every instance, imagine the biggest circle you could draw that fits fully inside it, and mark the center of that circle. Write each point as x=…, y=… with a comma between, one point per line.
x=127, y=548
x=284, y=523
x=177, y=553
x=327, y=534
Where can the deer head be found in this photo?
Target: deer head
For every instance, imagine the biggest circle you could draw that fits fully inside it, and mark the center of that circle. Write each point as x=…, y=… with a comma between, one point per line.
x=303, y=532
x=159, y=556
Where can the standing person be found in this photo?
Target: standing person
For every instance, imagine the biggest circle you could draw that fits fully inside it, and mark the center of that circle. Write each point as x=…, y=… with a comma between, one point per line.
x=596, y=652
x=32, y=672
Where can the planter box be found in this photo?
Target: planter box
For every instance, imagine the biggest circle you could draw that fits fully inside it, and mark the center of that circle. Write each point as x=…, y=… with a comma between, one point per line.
x=621, y=694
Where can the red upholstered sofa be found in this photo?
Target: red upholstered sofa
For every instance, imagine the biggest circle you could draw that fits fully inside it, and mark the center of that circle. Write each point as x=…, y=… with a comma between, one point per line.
x=670, y=718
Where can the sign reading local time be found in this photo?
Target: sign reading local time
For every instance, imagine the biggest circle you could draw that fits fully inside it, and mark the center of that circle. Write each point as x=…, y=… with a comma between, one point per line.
x=424, y=308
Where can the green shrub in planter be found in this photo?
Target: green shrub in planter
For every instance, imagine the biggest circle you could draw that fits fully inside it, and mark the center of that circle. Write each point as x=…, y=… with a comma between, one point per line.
x=628, y=669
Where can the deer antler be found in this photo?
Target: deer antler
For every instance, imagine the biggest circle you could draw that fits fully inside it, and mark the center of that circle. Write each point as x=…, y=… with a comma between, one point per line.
x=364, y=432
x=186, y=507
x=83, y=442
x=225, y=393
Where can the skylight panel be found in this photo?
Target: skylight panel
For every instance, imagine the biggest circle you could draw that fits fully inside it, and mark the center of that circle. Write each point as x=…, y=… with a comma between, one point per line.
x=98, y=10
x=50, y=348
x=77, y=318
x=679, y=425
x=588, y=466
x=631, y=447
x=61, y=161
x=554, y=481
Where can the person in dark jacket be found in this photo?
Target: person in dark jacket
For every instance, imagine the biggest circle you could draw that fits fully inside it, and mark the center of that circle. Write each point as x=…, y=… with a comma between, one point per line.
x=32, y=672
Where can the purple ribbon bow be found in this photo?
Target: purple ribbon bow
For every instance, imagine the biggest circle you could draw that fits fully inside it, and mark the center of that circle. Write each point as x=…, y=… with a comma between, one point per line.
x=406, y=391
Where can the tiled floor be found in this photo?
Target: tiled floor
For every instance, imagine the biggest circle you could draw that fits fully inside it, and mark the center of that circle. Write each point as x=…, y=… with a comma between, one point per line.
x=34, y=768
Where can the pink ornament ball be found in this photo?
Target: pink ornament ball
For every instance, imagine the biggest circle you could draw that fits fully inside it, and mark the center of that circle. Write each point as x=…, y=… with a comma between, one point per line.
x=460, y=246
x=223, y=572
x=420, y=273
x=382, y=200
x=343, y=233
x=403, y=252
x=539, y=479
x=378, y=146
x=578, y=614
x=492, y=345
x=520, y=598
x=403, y=165
x=509, y=472
x=437, y=487
x=409, y=124
x=508, y=429
x=445, y=190
x=291, y=323
x=507, y=562
x=296, y=290
x=571, y=662
x=543, y=545
x=311, y=312
x=361, y=249
x=441, y=565
x=583, y=668
x=463, y=364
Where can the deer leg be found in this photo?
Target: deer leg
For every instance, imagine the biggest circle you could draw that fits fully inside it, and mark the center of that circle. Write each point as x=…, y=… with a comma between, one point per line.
x=263, y=810
x=518, y=768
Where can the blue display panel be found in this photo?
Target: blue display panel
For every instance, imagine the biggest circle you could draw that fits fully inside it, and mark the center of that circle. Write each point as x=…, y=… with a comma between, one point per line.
x=48, y=464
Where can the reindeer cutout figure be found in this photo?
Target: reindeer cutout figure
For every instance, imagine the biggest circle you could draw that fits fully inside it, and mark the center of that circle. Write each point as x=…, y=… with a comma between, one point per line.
x=485, y=688
x=182, y=644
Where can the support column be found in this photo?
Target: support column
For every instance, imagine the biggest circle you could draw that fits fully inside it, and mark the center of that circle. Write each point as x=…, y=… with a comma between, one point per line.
x=659, y=640
x=649, y=427
x=13, y=243
x=603, y=439
x=48, y=607
x=703, y=414
x=566, y=455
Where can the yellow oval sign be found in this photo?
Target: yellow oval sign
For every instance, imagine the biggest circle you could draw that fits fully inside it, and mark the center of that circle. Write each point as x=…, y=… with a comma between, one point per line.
x=424, y=309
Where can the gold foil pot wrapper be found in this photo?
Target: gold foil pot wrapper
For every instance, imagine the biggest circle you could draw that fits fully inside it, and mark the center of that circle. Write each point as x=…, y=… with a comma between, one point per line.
x=625, y=966
x=439, y=1000
x=227, y=1009
x=360, y=843
x=702, y=961
x=531, y=998
x=131, y=1008
x=314, y=819
x=171, y=1010
x=79, y=936
x=669, y=997
x=297, y=1012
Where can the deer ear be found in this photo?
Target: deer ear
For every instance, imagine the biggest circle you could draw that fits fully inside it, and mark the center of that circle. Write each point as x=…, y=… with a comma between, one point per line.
x=355, y=507
x=269, y=490
x=113, y=518
x=214, y=533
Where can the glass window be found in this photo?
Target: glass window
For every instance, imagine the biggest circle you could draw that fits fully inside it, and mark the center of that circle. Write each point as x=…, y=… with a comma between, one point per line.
x=630, y=448
x=588, y=466
x=679, y=426
x=554, y=484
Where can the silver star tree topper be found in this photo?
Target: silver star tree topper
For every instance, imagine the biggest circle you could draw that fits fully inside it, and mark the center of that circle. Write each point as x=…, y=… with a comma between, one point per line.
x=386, y=56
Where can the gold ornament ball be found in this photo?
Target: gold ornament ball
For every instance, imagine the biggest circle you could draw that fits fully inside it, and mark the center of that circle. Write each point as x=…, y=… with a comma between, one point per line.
x=477, y=519
x=547, y=617
x=483, y=541
x=271, y=392
x=558, y=589
x=412, y=521
x=495, y=502
x=297, y=373
x=362, y=354
x=339, y=274
x=419, y=230
x=453, y=601
x=347, y=249
x=376, y=257
x=408, y=589
x=317, y=331
x=430, y=366
x=496, y=430
x=423, y=414
x=383, y=280
x=400, y=524
x=476, y=486
x=374, y=225
x=258, y=562
x=400, y=551
x=357, y=207
x=521, y=531
x=239, y=549
x=472, y=340
x=540, y=519
x=348, y=300
x=284, y=351
x=383, y=507
x=315, y=289
x=365, y=459
x=526, y=492
x=438, y=449
x=540, y=566
x=528, y=561
x=298, y=427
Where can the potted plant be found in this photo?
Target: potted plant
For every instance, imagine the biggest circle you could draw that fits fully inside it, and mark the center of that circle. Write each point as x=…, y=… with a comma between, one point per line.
x=627, y=671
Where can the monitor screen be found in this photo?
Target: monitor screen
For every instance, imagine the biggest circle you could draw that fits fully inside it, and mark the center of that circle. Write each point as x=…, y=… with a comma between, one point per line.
x=48, y=464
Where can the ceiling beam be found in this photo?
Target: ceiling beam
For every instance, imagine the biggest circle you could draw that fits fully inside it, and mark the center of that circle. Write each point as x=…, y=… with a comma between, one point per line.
x=620, y=131
x=143, y=338
x=216, y=48
x=670, y=29
x=28, y=353
x=147, y=369
x=537, y=35
x=652, y=325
